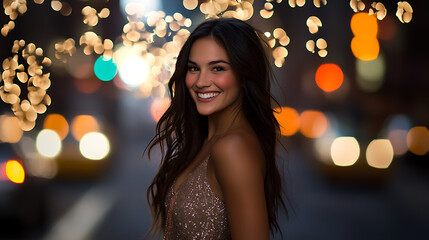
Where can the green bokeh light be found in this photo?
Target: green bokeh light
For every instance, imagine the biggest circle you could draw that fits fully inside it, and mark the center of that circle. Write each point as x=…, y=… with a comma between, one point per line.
x=105, y=69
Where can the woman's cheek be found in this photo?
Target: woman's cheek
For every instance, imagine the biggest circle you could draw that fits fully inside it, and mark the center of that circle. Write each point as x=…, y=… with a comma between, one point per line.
x=226, y=81
x=189, y=80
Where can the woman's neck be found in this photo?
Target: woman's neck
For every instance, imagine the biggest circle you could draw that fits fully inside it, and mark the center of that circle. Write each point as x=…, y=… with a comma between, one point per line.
x=221, y=122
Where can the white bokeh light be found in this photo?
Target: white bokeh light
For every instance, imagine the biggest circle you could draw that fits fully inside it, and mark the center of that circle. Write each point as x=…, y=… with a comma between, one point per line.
x=133, y=69
x=94, y=146
x=48, y=143
x=379, y=153
x=140, y=7
x=345, y=151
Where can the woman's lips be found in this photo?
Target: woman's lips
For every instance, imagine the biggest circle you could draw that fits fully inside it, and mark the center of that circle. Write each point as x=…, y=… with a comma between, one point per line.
x=207, y=96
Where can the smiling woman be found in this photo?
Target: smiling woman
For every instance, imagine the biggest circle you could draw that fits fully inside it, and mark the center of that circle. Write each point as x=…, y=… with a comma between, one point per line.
x=218, y=177
x=210, y=78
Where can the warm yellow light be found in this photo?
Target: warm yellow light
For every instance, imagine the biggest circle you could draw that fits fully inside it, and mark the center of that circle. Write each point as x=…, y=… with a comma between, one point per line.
x=379, y=153
x=48, y=143
x=94, y=146
x=363, y=24
x=288, y=119
x=83, y=124
x=10, y=130
x=58, y=123
x=418, y=140
x=365, y=48
x=14, y=171
x=364, y=44
x=313, y=123
x=345, y=151
x=190, y=4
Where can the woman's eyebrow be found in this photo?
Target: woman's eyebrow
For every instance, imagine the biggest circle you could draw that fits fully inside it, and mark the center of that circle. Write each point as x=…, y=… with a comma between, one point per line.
x=212, y=62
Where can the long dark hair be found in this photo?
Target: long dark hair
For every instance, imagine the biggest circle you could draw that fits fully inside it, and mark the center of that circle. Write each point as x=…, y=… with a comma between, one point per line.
x=181, y=131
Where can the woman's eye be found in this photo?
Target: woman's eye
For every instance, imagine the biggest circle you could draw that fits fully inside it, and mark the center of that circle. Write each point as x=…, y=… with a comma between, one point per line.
x=218, y=69
x=192, y=69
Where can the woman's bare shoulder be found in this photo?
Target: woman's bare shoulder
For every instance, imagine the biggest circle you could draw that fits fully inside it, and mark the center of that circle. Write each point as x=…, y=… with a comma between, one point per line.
x=239, y=149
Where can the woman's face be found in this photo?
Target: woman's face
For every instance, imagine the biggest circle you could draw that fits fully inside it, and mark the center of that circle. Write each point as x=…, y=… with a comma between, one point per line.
x=210, y=78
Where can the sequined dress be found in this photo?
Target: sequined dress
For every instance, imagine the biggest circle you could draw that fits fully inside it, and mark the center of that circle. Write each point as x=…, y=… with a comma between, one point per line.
x=194, y=211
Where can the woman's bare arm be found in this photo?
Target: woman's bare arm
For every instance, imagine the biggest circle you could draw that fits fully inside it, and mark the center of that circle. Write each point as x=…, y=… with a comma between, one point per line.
x=239, y=167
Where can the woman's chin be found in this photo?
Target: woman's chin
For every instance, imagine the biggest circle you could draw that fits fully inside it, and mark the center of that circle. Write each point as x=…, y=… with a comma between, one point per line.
x=205, y=111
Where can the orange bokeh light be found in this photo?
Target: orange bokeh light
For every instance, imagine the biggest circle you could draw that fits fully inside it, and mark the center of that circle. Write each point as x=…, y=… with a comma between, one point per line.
x=58, y=123
x=364, y=44
x=288, y=119
x=313, y=123
x=363, y=24
x=418, y=140
x=14, y=171
x=329, y=77
x=83, y=124
x=365, y=48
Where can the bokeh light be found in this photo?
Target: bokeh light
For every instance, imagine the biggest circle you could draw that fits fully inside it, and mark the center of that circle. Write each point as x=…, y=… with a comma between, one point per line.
x=87, y=85
x=387, y=29
x=379, y=153
x=398, y=139
x=418, y=140
x=140, y=7
x=313, y=123
x=364, y=44
x=288, y=119
x=33, y=75
x=365, y=48
x=370, y=74
x=58, y=123
x=404, y=12
x=94, y=146
x=190, y=4
x=363, y=24
x=35, y=165
x=345, y=151
x=133, y=69
x=83, y=124
x=10, y=130
x=48, y=143
x=105, y=69
x=320, y=43
x=158, y=107
x=14, y=171
x=322, y=147
x=313, y=24
x=329, y=77
x=378, y=9
x=397, y=130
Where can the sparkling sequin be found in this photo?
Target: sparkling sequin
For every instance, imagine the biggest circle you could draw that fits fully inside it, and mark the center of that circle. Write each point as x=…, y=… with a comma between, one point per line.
x=194, y=211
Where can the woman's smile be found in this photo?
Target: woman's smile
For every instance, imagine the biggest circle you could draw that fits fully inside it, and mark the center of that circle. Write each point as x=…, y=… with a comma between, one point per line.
x=210, y=79
x=207, y=96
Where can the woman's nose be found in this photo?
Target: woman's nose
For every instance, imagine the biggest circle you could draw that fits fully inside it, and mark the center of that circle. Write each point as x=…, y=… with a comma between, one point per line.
x=203, y=79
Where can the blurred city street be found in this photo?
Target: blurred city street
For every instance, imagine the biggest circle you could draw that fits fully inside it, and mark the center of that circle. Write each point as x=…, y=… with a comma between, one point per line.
x=115, y=206
x=84, y=84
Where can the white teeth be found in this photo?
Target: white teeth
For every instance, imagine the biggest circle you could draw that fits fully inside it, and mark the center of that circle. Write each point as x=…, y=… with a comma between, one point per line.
x=207, y=95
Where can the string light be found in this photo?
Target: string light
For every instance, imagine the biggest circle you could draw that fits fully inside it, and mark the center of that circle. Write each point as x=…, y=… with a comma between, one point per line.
x=34, y=76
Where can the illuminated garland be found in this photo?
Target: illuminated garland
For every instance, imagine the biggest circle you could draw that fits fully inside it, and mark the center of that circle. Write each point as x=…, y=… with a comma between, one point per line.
x=37, y=82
